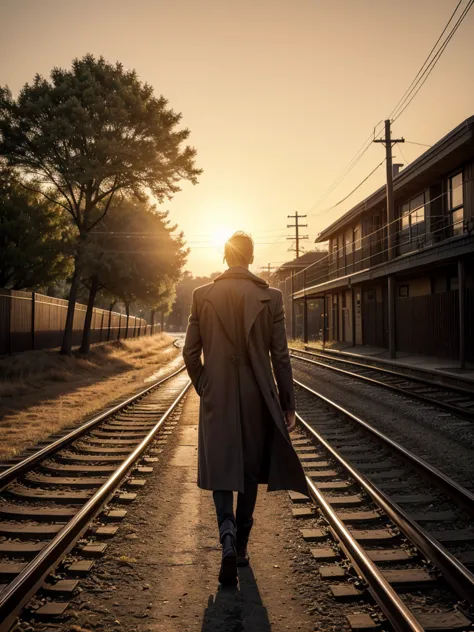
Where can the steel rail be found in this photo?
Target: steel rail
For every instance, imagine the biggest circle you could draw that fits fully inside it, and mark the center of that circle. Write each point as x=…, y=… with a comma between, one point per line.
x=385, y=596
x=405, y=371
x=463, y=497
x=457, y=575
x=465, y=414
x=7, y=476
x=337, y=356
x=24, y=586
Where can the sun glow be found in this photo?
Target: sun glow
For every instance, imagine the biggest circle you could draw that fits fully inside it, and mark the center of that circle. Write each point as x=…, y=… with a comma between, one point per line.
x=220, y=236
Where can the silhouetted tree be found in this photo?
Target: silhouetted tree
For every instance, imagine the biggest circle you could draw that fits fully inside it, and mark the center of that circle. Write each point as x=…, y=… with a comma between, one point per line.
x=134, y=256
x=34, y=238
x=88, y=135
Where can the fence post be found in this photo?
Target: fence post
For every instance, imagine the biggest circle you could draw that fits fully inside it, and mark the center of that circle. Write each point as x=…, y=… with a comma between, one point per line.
x=33, y=319
x=120, y=325
x=152, y=325
x=110, y=322
x=101, y=326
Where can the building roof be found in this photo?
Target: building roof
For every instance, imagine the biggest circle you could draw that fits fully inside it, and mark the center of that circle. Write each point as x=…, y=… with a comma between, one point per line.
x=305, y=260
x=431, y=162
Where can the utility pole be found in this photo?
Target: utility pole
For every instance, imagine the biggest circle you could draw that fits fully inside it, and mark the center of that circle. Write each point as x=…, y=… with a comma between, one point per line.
x=297, y=226
x=269, y=268
x=388, y=141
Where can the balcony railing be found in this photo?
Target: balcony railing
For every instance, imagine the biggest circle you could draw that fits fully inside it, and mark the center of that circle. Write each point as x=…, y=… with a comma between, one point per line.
x=374, y=250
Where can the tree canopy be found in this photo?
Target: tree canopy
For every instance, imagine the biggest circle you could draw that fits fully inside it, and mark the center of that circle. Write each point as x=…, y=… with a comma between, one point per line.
x=92, y=131
x=89, y=136
x=34, y=238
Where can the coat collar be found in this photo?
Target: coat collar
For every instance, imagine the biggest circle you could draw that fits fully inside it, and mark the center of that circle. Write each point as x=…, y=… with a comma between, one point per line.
x=258, y=296
x=239, y=272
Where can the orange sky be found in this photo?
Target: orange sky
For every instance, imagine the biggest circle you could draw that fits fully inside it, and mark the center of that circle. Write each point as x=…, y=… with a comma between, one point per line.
x=278, y=95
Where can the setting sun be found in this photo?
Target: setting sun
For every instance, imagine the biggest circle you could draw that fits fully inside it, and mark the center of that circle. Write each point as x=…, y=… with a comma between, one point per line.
x=220, y=236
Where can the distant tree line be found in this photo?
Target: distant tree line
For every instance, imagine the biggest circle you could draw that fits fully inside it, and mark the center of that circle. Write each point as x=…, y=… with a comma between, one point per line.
x=83, y=158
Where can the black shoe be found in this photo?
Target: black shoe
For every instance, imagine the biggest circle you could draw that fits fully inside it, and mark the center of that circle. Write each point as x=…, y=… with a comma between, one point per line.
x=243, y=558
x=228, y=573
x=243, y=533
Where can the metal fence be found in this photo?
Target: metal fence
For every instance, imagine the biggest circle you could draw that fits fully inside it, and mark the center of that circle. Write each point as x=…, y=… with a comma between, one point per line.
x=33, y=321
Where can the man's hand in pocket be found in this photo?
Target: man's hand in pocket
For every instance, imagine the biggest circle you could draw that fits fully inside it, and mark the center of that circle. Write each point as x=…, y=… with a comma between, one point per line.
x=290, y=419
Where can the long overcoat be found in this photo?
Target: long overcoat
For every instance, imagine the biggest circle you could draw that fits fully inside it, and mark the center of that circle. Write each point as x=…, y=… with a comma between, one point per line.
x=238, y=323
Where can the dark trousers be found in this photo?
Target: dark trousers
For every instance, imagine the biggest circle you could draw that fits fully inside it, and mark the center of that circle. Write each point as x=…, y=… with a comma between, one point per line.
x=224, y=502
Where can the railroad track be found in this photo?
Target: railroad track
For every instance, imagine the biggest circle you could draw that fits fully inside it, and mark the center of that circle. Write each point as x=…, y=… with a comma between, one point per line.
x=405, y=526
x=63, y=498
x=456, y=400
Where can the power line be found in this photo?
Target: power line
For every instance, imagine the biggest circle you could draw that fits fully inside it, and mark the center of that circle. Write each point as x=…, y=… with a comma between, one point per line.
x=406, y=98
x=411, y=142
x=356, y=158
x=407, y=162
x=426, y=60
x=353, y=190
x=421, y=79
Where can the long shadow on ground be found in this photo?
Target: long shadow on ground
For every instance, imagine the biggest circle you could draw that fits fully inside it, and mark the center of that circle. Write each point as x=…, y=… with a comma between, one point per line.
x=237, y=609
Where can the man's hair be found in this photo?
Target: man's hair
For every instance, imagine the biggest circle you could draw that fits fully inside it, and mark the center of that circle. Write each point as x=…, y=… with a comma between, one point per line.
x=238, y=250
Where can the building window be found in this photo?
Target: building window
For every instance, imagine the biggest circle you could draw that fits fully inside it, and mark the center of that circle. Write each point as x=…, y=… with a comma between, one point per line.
x=357, y=238
x=333, y=250
x=456, y=203
x=403, y=291
x=340, y=247
x=412, y=217
x=348, y=237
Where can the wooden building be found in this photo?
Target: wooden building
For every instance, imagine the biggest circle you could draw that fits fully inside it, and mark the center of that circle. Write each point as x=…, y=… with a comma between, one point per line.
x=418, y=296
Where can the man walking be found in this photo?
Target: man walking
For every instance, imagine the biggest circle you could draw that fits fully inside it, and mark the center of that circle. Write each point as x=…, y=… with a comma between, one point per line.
x=238, y=323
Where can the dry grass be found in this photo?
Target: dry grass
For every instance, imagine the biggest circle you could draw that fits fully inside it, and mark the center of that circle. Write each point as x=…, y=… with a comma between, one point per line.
x=42, y=391
x=297, y=343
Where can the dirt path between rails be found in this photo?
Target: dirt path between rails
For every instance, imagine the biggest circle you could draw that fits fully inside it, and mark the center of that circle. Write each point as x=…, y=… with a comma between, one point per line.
x=159, y=573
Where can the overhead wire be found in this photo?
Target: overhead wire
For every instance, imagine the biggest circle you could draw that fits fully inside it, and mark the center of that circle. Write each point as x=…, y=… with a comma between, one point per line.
x=353, y=190
x=355, y=159
x=405, y=100
x=422, y=78
x=426, y=60
x=411, y=142
x=407, y=162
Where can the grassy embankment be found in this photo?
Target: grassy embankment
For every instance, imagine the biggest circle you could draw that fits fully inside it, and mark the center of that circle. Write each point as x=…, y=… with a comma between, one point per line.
x=42, y=391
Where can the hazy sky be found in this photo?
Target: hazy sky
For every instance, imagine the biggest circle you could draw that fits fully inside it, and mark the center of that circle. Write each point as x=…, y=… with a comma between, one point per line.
x=278, y=94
